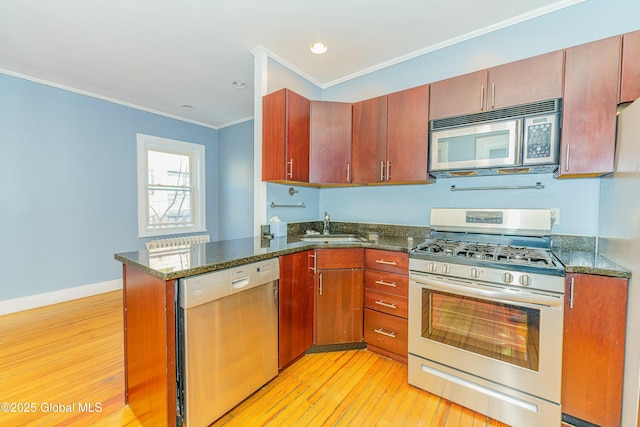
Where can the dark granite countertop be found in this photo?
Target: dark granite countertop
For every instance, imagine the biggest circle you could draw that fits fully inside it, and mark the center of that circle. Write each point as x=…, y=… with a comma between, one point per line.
x=590, y=262
x=188, y=260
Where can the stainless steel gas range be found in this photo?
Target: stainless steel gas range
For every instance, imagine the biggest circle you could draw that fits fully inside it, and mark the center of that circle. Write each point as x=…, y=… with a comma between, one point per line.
x=486, y=298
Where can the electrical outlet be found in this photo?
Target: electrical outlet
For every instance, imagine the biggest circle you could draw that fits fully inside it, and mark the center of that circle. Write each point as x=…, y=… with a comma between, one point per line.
x=555, y=216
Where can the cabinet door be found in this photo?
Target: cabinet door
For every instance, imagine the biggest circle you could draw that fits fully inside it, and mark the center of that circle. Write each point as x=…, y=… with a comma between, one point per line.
x=330, y=152
x=593, y=348
x=407, y=135
x=458, y=95
x=589, y=110
x=339, y=306
x=285, y=137
x=295, y=307
x=630, y=81
x=529, y=80
x=370, y=140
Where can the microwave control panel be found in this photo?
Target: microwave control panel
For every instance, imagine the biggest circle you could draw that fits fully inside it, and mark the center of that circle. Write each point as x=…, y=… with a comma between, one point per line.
x=541, y=137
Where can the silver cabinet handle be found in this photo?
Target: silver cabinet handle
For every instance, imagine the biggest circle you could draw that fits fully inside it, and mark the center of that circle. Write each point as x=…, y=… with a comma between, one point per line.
x=566, y=160
x=383, y=283
x=571, y=293
x=386, y=304
x=348, y=172
x=381, y=331
x=381, y=261
x=381, y=171
x=493, y=95
x=482, y=98
x=290, y=164
x=388, y=171
x=320, y=284
x=313, y=255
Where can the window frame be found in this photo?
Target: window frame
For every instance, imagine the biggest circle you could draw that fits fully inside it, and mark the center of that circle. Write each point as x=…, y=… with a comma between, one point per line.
x=196, y=153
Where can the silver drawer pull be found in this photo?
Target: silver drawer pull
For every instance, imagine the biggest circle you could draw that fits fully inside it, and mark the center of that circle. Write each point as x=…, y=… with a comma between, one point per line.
x=385, y=304
x=381, y=331
x=382, y=282
x=381, y=261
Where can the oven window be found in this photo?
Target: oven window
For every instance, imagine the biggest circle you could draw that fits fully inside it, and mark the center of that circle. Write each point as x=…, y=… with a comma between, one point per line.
x=501, y=331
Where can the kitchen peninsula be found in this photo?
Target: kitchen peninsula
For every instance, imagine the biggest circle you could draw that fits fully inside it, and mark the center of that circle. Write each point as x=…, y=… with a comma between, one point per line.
x=150, y=282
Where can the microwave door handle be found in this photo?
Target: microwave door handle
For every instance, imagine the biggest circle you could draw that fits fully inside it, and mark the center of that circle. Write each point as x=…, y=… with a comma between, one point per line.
x=520, y=137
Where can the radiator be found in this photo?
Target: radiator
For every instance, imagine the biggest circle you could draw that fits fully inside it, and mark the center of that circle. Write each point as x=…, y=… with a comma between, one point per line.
x=177, y=241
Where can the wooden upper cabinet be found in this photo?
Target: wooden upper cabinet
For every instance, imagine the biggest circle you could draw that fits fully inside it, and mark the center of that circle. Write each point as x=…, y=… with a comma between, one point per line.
x=521, y=82
x=390, y=136
x=589, y=108
x=630, y=77
x=330, y=151
x=407, y=135
x=285, y=137
x=593, y=348
x=370, y=140
x=530, y=80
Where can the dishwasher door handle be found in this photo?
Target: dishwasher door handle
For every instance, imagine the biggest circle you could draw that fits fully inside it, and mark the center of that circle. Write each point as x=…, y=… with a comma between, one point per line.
x=240, y=283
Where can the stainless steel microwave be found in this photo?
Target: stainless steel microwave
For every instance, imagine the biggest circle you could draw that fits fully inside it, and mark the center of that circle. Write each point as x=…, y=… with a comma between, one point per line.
x=521, y=139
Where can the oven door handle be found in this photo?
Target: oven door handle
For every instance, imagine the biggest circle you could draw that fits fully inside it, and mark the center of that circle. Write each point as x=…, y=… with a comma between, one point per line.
x=478, y=290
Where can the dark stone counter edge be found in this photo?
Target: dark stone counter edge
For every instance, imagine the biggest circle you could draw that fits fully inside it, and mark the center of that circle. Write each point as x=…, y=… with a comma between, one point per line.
x=574, y=262
x=296, y=247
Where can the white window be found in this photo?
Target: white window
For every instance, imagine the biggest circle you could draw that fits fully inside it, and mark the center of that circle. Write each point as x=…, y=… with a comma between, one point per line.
x=171, y=190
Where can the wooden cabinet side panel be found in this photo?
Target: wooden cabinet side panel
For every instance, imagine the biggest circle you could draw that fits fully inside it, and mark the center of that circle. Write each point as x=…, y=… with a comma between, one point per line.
x=339, y=306
x=458, y=95
x=589, y=108
x=150, y=347
x=339, y=258
x=630, y=78
x=295, y=307
x=593, y=348
x=330, y=149
x=297, y=129
x=369, y=140
x=273, y=136
x=407, y=135
x=529, y=80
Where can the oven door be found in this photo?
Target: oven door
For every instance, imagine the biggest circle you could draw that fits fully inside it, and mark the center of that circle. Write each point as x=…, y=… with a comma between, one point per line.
x=506, y=335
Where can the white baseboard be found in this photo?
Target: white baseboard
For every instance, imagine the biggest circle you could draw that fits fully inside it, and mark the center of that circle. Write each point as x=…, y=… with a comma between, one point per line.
x=67, y=294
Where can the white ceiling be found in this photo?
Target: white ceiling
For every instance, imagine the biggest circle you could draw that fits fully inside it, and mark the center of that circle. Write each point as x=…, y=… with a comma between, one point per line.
x=161, y=54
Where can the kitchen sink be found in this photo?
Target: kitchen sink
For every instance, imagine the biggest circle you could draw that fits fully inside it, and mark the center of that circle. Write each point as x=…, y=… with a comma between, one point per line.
x=333, y=238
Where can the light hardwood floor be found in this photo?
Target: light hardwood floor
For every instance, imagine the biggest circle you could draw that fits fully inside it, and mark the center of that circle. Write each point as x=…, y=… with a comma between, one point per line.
x=62, y=365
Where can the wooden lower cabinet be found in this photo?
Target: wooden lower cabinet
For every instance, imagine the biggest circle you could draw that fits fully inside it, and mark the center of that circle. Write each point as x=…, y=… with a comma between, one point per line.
x=339, y=296
x=295, y=307
x=386, y=303
x=593, y=348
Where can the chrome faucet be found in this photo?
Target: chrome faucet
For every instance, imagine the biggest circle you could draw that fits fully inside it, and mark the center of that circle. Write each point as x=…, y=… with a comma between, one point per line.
x=327, y=218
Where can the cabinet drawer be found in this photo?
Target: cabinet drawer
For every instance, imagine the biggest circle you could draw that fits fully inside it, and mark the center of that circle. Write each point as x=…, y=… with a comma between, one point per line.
x=385, y=331
x=339, y=258
x=395, y=262
x=387, y=303
x=391, y=283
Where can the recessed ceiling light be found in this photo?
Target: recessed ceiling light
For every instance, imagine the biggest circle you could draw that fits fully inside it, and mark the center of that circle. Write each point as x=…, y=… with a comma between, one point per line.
x=318, y=48
x=239, y=85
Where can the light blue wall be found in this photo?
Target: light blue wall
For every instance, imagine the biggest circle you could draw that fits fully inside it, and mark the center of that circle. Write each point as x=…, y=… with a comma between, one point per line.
x=68, y=198
x=235, y=210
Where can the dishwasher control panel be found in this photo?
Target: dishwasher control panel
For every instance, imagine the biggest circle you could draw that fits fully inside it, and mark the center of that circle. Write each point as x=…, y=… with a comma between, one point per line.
x=202, y=288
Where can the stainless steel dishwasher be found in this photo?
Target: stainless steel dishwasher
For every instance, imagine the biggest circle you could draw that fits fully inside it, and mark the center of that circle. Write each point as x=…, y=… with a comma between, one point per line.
x=227, y=339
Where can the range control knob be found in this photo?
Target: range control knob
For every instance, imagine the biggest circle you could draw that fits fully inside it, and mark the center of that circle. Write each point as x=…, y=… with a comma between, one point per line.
x=432, y=267
x=525, y=280
x=474, y=273
x=445, y=268
x=507, y=277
